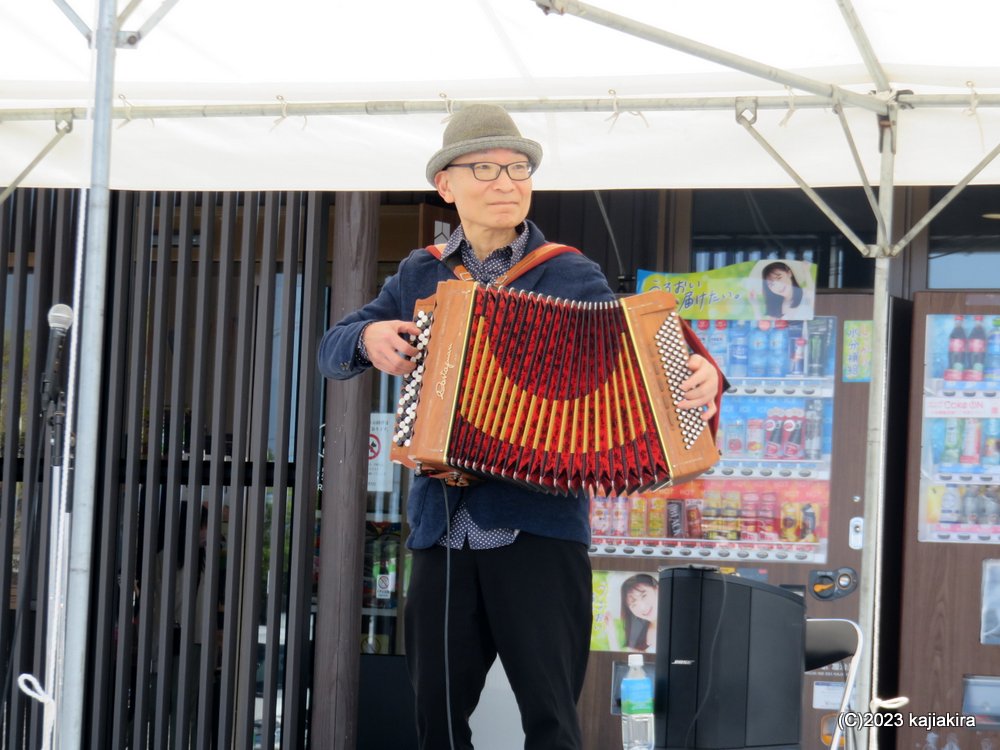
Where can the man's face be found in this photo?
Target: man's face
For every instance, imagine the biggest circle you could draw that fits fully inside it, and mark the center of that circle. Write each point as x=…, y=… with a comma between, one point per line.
x=499, y=204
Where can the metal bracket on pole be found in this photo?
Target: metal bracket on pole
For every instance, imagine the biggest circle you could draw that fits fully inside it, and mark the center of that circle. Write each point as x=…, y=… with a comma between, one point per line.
x=127, y=39
x=63, y=127
x=746, y=114
x=132, y=38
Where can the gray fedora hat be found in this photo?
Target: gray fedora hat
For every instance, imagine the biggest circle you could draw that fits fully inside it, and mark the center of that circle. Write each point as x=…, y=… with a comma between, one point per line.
x=480, y=127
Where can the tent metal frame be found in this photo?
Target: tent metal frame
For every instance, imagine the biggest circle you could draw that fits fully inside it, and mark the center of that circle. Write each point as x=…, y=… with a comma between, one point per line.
x=884, y=104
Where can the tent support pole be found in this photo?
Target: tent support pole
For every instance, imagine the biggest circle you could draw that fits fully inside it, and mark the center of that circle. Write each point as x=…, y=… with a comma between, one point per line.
x=864, y=45
x=870, y=585
x=62, y=128
x=869, y=193
x=943, y=203
x=69, y=727
x=813, y=195
x=705, y=52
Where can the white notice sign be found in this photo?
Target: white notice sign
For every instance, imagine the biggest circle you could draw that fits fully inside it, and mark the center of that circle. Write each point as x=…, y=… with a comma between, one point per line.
x=379, y=466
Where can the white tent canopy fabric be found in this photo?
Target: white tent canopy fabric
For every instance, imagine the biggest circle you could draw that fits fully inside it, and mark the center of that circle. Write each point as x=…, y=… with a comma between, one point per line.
x=317, y=81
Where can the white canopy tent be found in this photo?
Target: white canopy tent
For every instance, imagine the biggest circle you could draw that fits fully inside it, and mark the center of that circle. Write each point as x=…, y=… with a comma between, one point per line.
x=313, y=95
x=321, y=92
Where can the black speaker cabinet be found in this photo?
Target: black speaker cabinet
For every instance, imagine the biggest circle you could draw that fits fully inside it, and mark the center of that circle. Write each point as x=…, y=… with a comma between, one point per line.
x=729, y=662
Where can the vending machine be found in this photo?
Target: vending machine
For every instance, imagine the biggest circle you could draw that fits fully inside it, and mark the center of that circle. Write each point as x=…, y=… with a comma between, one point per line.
x=784, y=505
x=950, y=587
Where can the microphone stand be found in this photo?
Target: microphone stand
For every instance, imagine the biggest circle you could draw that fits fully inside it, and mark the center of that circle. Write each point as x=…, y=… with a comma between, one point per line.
x=57, y=576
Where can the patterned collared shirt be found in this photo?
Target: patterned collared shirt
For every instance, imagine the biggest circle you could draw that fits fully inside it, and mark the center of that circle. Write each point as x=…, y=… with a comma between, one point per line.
x=486, y=271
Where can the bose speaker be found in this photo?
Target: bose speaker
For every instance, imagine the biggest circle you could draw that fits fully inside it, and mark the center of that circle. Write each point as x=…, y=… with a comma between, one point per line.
x=729, y=662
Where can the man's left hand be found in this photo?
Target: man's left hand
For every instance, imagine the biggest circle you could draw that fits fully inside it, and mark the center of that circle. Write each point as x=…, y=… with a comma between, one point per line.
x=701, y=388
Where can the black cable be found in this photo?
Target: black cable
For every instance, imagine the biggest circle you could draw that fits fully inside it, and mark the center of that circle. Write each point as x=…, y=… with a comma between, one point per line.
x=622, y=277
x=447, y=604
x=711, y=660
x=27, y=552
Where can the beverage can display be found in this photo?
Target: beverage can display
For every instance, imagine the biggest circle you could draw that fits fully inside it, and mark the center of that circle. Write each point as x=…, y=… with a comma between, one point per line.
x=816, y=348
x=736, y=432
x=619, y=516
x=729, y=523
x=637, y=516
x=711, y=514
x=718, y=343
x=773, y=426
x=972, y=438
x=991, y=443
x=738, y=353
x=749, y=509
x=767, y=516
x=657, y=523
x=777, y=350
x=952, y=441
x=675, y=519
x=798, y=366
x=812, y=441
x=757, y=349
x=692, y=512
x=807, y=531
x=600, y=517
x=755, y=438
x=992, y=371
x=972, y=506
x=791, y=522
x=991, y=506
x=951, y=505
x=791, y=434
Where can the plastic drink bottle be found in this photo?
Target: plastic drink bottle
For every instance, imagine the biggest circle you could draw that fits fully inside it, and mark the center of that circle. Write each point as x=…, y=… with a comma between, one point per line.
x=975, y=348
x=777, y=350
x=637, y=707
x=993, y=351
x=757, y=345
x=718, y=343
x=738, y=349
x=956, y=351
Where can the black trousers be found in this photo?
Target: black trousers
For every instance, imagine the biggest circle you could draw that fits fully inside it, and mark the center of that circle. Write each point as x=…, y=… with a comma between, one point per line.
x=529, y=603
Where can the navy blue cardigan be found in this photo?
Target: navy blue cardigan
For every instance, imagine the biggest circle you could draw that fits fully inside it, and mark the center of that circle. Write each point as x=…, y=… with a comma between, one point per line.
x=492, y=503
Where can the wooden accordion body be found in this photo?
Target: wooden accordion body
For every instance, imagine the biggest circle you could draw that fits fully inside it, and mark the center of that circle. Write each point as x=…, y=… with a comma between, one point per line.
x=554, y=394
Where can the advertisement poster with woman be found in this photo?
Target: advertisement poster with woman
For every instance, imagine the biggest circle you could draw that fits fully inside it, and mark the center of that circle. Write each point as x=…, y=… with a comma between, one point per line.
x=769, y=289
x=625, y=608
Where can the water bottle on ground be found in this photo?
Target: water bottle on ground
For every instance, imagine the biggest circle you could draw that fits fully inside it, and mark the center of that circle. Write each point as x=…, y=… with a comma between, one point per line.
x=637, y=707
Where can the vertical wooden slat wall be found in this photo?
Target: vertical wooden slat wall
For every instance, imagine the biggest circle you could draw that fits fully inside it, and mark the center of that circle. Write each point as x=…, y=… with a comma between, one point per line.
x=202, y=612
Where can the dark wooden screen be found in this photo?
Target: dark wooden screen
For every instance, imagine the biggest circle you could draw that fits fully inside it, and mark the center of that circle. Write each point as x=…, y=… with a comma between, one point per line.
x=203, y=584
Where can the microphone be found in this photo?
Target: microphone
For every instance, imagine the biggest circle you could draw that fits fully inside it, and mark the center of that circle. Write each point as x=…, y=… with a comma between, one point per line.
x=60, y=319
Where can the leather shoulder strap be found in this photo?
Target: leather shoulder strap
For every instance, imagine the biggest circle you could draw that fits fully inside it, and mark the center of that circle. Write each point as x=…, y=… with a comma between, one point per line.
x=534, y=258
x=529, y=261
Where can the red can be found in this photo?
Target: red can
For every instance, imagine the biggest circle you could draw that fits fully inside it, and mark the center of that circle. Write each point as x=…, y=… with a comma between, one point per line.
x=693, y=513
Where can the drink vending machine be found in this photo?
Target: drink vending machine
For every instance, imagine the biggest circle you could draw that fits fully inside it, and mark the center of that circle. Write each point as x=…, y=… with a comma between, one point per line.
x=950, y=587
x=784, y=505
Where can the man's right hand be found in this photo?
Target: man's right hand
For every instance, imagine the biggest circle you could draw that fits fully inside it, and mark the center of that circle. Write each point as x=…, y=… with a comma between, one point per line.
x=387, y=345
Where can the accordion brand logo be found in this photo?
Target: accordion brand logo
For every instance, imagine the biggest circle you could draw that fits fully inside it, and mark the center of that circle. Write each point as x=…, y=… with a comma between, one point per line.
x=443, y=382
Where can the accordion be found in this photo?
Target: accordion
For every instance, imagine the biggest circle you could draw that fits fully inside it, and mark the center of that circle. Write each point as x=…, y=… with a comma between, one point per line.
x=550, y=393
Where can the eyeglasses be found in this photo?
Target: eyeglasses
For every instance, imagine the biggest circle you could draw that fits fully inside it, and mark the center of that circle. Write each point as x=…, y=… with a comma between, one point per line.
x=487, y=171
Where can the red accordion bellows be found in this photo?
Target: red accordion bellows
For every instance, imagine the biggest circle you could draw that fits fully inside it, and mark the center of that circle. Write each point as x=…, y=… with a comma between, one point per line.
x=552, y=393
